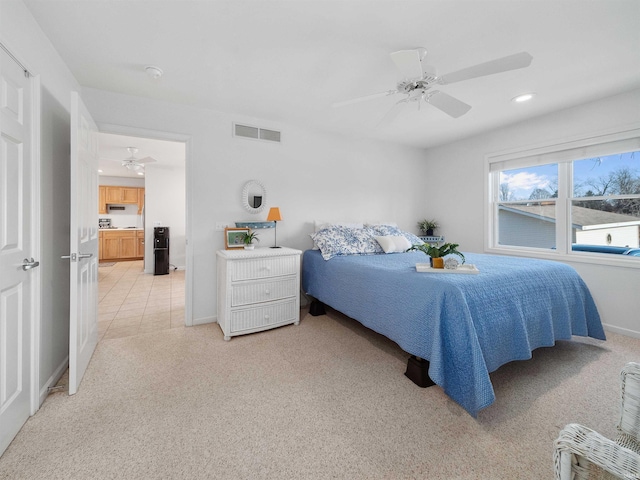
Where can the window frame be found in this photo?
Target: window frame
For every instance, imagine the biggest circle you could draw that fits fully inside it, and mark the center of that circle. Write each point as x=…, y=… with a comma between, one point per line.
x=562, y=153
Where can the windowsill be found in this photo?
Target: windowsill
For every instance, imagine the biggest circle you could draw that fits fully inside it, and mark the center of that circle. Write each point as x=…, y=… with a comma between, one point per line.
x=609, y=260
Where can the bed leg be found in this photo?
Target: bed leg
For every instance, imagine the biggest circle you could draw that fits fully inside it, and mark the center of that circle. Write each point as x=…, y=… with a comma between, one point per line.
x=316, y=308
x=418, y=371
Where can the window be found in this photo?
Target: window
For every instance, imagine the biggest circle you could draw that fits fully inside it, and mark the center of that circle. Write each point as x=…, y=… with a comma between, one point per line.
x=580, y=198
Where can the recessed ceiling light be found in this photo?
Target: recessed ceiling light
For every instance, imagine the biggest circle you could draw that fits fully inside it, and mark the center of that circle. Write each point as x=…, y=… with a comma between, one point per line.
x=525, y=97
x=153, y=72
x=99, y=171
x=140, y=173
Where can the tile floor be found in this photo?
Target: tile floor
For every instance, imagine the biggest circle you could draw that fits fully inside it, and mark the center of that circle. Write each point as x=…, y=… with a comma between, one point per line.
x=132, y=303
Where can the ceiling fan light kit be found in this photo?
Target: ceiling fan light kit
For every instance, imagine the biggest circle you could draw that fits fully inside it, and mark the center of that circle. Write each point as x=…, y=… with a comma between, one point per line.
x=418, y=80
x=135, y=164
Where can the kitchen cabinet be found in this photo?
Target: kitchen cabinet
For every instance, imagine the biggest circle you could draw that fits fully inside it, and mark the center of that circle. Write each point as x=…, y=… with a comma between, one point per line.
x=122, y=195
x=120, y=245
x=257, y=289
x=113, y=195
x=140, y=200
x=140, y=243
x=102, y=199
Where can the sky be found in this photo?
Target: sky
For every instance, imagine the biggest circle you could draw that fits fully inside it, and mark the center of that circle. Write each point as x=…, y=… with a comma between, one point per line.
x=522, y=182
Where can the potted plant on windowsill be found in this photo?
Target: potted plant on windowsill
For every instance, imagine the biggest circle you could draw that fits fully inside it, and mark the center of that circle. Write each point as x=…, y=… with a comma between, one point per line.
x=428, y=226
x=437, y=253
x=248, y=238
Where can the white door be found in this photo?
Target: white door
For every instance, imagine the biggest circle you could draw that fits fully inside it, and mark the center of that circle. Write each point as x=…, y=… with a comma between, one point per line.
x=19, y=282
x=83, y=330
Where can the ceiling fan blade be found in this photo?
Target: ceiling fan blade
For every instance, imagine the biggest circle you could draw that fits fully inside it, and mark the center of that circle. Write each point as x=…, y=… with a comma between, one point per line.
x=449, y=105
x=504, y=64
x=365, y=98
x=408, y=62
x=145, y=160
x=391, y=115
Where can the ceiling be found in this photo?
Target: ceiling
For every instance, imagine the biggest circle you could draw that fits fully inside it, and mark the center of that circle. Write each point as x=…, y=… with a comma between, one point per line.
x=289, y=61
x=113, y=150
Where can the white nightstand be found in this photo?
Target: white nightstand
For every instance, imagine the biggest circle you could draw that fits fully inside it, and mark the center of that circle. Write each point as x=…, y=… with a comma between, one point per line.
x=257, y=289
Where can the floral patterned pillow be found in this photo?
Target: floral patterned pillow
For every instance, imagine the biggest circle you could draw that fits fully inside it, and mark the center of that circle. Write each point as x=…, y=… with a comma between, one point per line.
x=340, y=240
x=392, y=230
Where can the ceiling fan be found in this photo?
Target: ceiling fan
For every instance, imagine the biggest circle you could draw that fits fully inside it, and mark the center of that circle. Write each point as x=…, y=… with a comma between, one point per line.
x=419, y=79
x=133, y=163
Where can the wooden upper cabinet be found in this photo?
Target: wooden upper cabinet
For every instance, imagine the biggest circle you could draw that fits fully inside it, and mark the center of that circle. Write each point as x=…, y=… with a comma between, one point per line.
x=102, y=199
x=122, y=195
x=130, y=195
x=140, y=200
x=113, y=194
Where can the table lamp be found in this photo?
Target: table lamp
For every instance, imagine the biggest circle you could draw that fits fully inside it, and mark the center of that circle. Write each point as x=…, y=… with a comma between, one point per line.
x=274, y=216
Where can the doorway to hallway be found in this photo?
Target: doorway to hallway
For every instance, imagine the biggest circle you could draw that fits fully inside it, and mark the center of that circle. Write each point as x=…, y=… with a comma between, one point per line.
x=131, y=302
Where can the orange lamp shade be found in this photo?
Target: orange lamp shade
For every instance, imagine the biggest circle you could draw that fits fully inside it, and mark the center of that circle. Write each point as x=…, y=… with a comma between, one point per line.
x=274, y=215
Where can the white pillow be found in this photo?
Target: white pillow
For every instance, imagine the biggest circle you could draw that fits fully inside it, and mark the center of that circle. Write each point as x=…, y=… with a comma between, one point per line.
x=394, y=244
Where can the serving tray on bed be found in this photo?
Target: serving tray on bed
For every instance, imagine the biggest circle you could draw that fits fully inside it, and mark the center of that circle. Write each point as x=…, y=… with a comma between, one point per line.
x=465, y=269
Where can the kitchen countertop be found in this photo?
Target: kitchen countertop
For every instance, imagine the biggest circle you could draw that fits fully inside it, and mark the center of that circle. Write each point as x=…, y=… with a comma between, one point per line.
x=111, y=229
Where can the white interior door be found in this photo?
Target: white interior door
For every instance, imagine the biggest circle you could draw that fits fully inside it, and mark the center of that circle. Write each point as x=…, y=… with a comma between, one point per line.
x=83, y=331
x=18, y=281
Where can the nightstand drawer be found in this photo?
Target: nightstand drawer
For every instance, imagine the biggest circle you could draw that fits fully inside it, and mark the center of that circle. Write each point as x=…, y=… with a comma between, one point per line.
x=265, y=291
x=253, y=318
x=249, y=269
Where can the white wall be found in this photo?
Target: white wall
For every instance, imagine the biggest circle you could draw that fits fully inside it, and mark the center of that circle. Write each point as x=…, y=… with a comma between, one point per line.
x=121, y=181
x=310, y=175
x=457, y=193
x=21, y=34
x=165, y=205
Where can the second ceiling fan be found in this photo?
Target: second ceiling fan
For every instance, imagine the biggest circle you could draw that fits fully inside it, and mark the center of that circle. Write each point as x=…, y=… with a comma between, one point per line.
x=133, y=163
x=419, y=79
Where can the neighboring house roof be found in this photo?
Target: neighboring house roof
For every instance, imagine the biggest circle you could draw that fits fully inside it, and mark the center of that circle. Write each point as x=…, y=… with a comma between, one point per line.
x=582, y=218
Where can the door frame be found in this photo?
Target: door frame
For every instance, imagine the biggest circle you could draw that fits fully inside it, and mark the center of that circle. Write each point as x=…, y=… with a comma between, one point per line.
x=36, y=245
x=187, y=140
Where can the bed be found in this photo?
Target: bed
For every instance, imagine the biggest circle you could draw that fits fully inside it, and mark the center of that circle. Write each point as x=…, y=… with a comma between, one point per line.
x=465, y=326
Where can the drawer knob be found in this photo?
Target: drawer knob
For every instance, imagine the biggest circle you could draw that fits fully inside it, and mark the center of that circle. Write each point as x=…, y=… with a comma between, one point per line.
x=266, y=317
x=267, y=292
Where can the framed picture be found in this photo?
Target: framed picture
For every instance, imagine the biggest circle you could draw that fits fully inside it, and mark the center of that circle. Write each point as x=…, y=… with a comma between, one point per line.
x=233, y=237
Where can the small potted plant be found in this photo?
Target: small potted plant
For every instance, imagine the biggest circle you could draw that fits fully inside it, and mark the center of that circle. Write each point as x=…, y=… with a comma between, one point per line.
x=437, y=253
x=428, y=226
x=248, y=238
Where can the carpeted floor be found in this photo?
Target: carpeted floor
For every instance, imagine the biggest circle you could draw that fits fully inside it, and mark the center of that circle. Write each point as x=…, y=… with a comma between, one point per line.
x=325, y=399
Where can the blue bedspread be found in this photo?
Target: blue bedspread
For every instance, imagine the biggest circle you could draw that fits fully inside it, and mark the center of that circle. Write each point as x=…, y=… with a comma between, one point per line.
x=465, y=325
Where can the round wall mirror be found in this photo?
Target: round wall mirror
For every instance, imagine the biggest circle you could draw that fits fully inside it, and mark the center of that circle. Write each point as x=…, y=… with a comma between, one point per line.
x=254, y=196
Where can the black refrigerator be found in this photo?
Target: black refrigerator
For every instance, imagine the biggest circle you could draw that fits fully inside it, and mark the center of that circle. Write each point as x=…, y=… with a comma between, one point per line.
x=161, y=250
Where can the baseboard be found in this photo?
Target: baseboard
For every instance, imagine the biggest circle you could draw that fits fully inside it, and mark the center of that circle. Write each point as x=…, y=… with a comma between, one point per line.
x=53, y=379
x=622, y=331
x=204, y=320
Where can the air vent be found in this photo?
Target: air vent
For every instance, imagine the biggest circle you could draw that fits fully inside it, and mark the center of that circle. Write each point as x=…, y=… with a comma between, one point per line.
x=256, y=133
